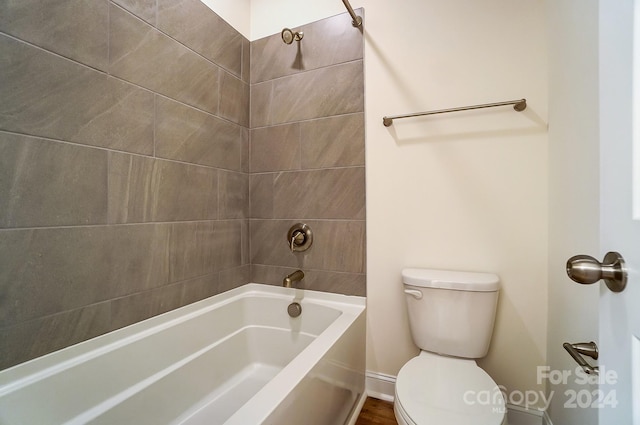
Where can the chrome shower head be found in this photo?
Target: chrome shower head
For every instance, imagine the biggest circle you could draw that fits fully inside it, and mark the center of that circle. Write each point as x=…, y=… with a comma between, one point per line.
x=289, y=36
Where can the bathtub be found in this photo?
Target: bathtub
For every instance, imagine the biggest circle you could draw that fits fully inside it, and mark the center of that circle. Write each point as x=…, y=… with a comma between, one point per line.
x=236, y=358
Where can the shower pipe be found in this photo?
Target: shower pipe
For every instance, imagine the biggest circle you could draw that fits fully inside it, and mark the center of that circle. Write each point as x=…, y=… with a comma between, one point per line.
x=518, y=105
x=357, y=20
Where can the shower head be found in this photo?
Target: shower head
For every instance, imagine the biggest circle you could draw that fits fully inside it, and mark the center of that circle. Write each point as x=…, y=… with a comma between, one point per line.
x=288, y=35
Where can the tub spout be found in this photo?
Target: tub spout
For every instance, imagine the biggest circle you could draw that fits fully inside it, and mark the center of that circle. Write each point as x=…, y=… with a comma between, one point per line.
x=296, y=276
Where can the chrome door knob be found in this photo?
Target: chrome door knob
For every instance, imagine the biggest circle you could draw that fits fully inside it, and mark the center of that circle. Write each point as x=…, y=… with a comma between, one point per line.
x=586, y=270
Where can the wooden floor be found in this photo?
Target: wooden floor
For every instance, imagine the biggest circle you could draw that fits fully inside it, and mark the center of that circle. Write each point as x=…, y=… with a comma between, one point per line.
x=376, y=412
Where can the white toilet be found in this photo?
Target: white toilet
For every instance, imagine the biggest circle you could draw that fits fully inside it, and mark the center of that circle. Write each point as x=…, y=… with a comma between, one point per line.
x=451, y=316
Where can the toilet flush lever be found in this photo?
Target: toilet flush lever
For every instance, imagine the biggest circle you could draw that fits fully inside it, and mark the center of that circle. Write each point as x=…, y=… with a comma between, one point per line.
x=414, y=293
x=583, y=348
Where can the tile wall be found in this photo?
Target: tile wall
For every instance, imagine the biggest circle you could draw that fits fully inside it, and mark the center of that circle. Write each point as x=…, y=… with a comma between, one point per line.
x=124, y=180
x=307, y=156
x=128, y=182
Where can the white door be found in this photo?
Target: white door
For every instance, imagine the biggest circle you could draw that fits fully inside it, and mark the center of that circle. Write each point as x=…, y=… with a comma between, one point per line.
x=619, y=393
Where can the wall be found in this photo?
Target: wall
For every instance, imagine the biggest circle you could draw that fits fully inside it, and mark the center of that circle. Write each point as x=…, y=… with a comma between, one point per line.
x=123, y=165
x=236, y=13
x=465, y=191
x=307, y=156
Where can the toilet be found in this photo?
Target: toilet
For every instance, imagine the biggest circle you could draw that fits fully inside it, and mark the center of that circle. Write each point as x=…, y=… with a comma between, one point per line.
x=451, y=316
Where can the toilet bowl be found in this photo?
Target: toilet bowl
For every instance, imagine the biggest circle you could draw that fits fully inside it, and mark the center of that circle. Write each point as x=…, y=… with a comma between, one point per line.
x=433, y=389
x=451, y=315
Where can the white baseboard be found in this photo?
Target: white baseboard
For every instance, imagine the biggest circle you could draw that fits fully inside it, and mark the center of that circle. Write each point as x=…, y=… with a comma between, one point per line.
x=518, y=415
x=380, y=386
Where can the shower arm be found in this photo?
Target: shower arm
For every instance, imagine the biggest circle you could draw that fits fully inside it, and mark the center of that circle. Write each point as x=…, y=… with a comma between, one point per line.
x=357, y=20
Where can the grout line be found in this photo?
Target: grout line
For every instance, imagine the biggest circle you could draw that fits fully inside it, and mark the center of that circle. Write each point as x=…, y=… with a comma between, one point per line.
x=84, y=65
x=302, y=170
x=306, y=71
x=155, y=123
x=339, y=220
x=109, y=75
x=120, y=297
x=346, y=114
x=108, y=38
x=102, y=148
x=138, y=223
x=155, y=27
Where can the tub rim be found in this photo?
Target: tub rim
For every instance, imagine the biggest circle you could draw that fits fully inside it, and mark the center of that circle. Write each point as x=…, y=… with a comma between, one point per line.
x=31, y=371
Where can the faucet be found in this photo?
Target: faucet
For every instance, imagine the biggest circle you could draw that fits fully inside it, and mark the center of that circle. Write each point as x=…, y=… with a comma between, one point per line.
x=296, y=276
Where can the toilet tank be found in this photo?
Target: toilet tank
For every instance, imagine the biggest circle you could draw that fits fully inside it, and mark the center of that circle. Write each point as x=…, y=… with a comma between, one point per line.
x=451, y=312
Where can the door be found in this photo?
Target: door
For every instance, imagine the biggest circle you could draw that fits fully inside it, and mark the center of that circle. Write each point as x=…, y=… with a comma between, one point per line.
x=619, y=391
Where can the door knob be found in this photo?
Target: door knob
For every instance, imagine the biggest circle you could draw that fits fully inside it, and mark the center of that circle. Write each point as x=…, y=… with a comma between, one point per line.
x=586, y=270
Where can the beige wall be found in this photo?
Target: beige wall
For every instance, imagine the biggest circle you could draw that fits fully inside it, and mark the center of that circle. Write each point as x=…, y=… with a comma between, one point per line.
x=465, y=191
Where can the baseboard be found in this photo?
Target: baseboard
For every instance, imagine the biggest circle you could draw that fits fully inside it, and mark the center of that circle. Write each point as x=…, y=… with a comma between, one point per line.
x=518, y=415
x=380, y=386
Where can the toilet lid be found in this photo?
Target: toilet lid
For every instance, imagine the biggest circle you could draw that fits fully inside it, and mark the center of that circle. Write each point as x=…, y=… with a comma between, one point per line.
x=433, y=389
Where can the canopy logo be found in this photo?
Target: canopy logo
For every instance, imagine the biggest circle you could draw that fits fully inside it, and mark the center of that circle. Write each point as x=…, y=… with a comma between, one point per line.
x=582, y=398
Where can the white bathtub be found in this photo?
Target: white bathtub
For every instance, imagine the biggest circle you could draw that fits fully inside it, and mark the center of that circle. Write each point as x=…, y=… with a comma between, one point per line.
x=235, y=358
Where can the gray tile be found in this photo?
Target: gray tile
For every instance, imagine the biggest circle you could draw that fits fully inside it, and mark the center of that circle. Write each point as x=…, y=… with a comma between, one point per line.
x=333, y=142
x=143, y=55
x=335, y=90
x=337, y=245
x=316, y=280
x=45, y=183
x=191, y=250
x=201, y=248
x=143, y=9
x=233, y=278
x=47, y=271
x=275, y=148
x=199, y=28
x=143, y=189
x=199, y=288
x=331, y=193
x=261, y=194
x=41, y=336
x=227, y=252
x=143, y=305
x=335, y=282
x=246, y=60
x=187, y=134
x=98, y=110
x=245, y=158
x=246, y=241
x=261, y=95
x=233, y=195
x=234, y=99
x=326, y=42
x=76, y=29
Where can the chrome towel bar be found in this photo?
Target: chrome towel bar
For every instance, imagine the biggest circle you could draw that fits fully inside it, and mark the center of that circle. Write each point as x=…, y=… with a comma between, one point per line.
x=357, y=20
x=518, y=105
